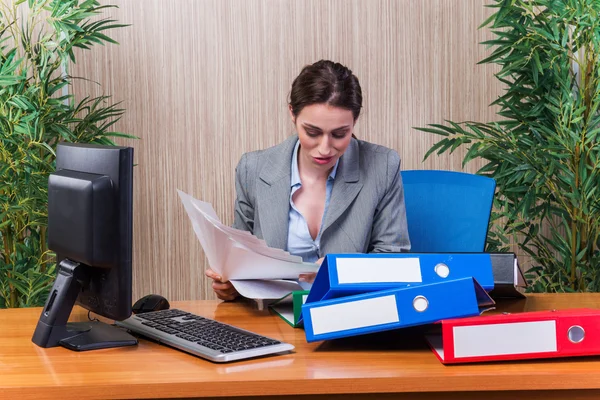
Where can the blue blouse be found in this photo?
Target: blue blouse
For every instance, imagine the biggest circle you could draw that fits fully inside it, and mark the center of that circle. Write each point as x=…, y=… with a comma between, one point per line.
x=299, y=242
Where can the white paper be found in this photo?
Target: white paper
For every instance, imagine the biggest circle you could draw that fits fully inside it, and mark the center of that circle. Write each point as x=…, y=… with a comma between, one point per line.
x=238, y=255
x=265, y=290
x=287, y=313
x=206, y=211
x=436, y=344
x=288, y=300
x=519, y=281
x=504, y=339
x=285, y=307
x=354, y=314
x=375, y=270
x=243, y=263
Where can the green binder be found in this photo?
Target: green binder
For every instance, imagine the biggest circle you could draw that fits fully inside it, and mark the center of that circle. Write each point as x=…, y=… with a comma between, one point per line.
x=289, y=307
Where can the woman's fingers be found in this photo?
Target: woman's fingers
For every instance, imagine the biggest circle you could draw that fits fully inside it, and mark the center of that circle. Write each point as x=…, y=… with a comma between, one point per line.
x=222, y=286
x=225, y=291
x=308, y=277
x=213, y=275
x=226, y=297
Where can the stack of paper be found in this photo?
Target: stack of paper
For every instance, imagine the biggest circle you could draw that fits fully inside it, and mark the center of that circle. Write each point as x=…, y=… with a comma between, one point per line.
x=256, y=270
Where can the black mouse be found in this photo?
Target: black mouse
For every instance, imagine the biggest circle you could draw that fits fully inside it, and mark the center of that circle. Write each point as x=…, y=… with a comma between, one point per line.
x=151, y=302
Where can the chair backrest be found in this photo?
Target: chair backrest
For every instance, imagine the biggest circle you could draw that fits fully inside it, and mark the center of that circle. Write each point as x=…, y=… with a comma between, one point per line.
x=447, y=212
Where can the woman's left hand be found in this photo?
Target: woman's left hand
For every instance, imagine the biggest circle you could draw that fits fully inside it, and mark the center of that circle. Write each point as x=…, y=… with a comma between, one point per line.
x=309, y=277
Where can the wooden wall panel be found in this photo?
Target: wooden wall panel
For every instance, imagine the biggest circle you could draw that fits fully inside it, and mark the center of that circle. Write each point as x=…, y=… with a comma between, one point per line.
x=204, y=81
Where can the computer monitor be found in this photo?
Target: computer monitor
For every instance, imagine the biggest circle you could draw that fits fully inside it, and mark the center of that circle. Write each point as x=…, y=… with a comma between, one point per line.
x=90, y=230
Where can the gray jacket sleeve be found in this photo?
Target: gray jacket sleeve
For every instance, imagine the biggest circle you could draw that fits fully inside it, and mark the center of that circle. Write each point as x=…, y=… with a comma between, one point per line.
x=390, y=229
x=244, y=209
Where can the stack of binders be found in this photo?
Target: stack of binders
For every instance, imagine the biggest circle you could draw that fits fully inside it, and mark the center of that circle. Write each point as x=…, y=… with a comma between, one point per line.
x=355, y=294
x=360, y=294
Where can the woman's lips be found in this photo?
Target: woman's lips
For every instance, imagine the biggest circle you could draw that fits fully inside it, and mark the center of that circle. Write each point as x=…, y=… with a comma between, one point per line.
x=322, y=160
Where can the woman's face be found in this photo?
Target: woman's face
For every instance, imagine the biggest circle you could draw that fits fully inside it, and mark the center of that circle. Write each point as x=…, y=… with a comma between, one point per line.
x=324, y=133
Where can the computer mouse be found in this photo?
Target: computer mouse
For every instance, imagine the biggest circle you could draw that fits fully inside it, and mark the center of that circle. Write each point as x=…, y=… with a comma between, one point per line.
x=151, y=302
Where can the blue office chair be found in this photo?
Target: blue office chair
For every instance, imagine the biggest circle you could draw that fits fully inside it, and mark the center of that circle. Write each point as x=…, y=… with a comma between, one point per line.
x=447, y=212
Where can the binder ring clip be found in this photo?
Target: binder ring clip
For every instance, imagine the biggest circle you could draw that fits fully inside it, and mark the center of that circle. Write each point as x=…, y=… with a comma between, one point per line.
x=420, y=303
x=442, y=270
x=576, y=334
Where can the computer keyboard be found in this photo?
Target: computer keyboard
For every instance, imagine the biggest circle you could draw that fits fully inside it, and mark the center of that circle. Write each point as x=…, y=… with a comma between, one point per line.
x=201, y=336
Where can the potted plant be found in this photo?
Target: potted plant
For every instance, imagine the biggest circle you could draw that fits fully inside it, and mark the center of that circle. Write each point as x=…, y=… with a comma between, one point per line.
x=544, y=151
x=38, y=39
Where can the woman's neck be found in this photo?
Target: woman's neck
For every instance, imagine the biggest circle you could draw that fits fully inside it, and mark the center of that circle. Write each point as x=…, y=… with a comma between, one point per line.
x=309, y=173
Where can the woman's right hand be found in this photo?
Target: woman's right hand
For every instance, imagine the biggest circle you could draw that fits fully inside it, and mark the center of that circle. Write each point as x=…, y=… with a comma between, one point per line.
x=223, y=290
x=309, y=277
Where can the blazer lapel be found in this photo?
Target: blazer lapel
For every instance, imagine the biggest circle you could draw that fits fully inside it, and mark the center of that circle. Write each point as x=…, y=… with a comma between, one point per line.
x=273, y=195
x=346, y=186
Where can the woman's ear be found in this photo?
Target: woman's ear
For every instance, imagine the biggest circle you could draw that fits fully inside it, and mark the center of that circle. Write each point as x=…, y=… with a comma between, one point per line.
x=292, y=116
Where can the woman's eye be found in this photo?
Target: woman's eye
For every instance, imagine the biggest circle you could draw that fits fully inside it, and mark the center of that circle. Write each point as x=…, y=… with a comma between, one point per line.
x=312, y=133
x=340, y=135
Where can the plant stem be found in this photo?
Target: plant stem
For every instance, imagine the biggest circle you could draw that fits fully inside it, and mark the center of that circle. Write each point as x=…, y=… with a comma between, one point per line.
x=43, y=248
x=8, y=249
x=5, y=234
x=574, y=221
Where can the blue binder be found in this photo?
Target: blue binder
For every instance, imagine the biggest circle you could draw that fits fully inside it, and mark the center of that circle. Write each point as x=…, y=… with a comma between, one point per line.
x=349, y=274
x=392, y=309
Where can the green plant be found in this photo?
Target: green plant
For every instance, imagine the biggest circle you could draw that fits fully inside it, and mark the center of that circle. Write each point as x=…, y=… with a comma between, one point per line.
x=37, y=41
x=544, y=152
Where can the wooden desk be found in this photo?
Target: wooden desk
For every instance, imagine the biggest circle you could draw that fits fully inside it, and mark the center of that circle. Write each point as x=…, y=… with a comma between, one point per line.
x=328, y=370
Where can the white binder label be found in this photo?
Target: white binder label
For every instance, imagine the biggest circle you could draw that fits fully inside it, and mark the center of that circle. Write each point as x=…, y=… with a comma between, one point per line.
x=354, y=314
x=378, y=270
x=504, y=339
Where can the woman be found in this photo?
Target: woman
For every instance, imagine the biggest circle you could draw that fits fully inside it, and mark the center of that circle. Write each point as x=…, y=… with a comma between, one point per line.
x=322, y=191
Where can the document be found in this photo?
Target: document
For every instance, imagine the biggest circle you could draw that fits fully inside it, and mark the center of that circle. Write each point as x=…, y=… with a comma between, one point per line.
x=256, y=270
x=265, y=289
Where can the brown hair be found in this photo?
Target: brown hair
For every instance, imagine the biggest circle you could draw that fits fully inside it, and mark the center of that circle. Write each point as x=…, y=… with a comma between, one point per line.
x=326, y=82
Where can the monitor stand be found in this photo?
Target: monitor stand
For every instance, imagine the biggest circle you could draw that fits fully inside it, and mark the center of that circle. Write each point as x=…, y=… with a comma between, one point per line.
x=52, y=328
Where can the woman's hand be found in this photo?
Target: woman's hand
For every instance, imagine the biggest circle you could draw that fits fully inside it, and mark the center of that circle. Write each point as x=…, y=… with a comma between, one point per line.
x=309, y=277
x=223, y=290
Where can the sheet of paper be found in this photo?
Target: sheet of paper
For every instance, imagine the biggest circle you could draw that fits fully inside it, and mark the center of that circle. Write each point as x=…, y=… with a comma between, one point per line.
x=286, y=301
x=258, y=245
x=285, y=308
x=243, y=263
x=285, y=311
x=238, y=255
x=265, y=290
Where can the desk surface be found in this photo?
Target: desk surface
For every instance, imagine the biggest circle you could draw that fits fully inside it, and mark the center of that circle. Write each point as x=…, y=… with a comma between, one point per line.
x=324, y=369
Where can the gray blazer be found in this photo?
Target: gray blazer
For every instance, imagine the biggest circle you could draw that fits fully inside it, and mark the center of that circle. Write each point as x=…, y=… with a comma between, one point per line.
x=366, y=211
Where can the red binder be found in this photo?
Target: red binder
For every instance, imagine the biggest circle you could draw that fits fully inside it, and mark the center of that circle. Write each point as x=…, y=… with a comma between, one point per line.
x=545, y=334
